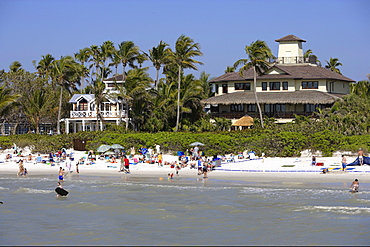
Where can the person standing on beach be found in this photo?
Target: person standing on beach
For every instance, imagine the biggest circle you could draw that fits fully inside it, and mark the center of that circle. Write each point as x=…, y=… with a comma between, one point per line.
x=313, y=161
x=126, y=162
x=355, y=185
x=21, y=168
x=360, y=154
x=344, y=162
x=160, y=159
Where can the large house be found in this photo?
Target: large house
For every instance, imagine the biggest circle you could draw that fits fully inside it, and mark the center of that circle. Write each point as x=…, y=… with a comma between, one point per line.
x=83, y=116
x=292, y=85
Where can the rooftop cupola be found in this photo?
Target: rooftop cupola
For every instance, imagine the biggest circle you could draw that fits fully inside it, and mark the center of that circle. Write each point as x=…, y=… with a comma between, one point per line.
x=290, y=50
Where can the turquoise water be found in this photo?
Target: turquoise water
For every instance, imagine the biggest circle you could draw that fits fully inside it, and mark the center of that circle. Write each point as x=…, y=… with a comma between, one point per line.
x=151, y=211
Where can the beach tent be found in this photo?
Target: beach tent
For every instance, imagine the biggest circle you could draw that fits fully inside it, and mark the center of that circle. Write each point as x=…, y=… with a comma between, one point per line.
x=244, y=122
x=357, y=162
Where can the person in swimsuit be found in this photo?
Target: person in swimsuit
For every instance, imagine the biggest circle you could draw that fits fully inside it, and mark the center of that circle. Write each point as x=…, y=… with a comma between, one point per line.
x=61, y=174
x=21, y=168
x=360, y=154
x=355, y=185
x=344, y=163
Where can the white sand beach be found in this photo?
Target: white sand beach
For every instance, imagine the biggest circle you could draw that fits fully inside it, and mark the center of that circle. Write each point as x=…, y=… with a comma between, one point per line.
x=256, y=170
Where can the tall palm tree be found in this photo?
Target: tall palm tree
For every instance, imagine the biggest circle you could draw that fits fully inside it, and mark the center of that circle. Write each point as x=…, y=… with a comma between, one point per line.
x=100, y=94
x=36, y=106
x=157, y=56
x=332, y=64
x=107, y=50
x=66, y=74
x=15, y=67
x=83, y=56
x=134, y=89
x=258, y=54
x=45, y=66
x=128, y=53
x=182, y=57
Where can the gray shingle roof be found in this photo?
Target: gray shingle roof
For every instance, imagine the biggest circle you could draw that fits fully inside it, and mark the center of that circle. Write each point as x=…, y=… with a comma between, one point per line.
x=290, y=37
x=291, y=97
x=304, y=72
x=118, y=78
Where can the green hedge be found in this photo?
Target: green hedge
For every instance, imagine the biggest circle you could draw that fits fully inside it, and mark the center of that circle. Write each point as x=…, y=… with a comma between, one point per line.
x=270, y=142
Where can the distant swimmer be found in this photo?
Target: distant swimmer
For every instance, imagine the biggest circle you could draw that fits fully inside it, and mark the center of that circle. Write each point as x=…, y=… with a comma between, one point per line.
x=354, y=186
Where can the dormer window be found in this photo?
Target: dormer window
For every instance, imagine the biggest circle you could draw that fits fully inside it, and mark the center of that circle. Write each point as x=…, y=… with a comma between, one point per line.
x=82, y=105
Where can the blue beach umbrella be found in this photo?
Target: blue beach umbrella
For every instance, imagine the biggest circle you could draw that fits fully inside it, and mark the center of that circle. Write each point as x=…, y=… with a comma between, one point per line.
x=103, y=148
x=117, y=146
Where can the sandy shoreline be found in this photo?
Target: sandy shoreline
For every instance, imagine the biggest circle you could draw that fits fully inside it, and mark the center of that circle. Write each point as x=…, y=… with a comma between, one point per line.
x=283, y=170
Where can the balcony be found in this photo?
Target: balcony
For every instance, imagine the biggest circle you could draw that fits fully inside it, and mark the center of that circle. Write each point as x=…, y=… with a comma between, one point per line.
x=296, y=60
x=92, y=114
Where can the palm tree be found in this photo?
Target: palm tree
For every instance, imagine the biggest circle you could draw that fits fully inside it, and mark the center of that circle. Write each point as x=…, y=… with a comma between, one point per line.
x=229, y=69
x=107, y=50
x=45, y=65
x=133, y=90
x=83, y=56
x=128, y=53
x=333, y=64
x=15, y=67
x=66, y=73
x=7, y=99
x=157, y=56
x=100, y=94
x=258, y=54
x=36, y=106
x=185, y=50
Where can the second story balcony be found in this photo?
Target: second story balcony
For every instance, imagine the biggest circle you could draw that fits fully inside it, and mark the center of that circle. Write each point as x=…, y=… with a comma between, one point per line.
x=296, y=60
x=93, y=114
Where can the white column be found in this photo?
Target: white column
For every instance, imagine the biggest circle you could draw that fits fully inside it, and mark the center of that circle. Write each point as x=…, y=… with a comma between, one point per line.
x=83, y=124
x=67, y=126
x=101, y=125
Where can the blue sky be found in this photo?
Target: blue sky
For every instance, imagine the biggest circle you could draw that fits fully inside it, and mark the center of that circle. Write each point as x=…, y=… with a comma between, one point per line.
x=331, y=28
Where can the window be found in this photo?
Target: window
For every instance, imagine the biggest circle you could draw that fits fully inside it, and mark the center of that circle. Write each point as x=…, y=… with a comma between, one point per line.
x=216, y=88
x=272, y=108
x=310, y=85
x=82, y=105
x=237, y=108
x=274, y=85
x=264, y=86
x=251, y=107
x=242, y=86
x=285, y=85
x=224, y=88
x=310, y=107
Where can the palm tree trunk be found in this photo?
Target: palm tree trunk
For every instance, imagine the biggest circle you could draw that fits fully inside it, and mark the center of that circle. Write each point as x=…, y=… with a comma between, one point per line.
x=156, y=80
x=255, y=94
x=178, y=100
x=59, y=110
x=126, y=115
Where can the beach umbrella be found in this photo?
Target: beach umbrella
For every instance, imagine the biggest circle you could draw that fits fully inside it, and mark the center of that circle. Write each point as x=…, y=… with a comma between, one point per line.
x=103, y=148
x=117, y=146
x=109, y=153
x=196, y=144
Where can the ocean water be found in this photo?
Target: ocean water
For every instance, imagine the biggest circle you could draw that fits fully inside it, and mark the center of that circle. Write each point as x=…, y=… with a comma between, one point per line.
x=128, y=210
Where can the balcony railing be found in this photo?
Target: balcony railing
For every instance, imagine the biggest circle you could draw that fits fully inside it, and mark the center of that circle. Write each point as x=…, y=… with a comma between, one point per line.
x=296, y=60
x=92, y=114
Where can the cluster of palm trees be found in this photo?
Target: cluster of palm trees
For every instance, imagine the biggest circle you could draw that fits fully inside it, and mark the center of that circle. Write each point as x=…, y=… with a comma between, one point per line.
x=154, y=105
x=167, y=103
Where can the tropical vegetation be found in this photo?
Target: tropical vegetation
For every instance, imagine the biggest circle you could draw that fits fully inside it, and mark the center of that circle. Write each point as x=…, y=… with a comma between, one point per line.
x=167, y=109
